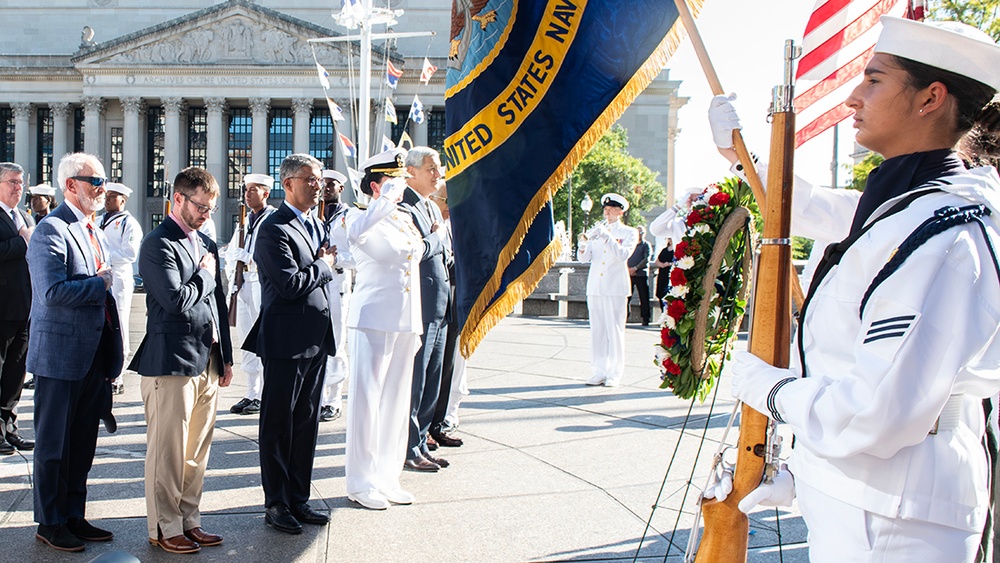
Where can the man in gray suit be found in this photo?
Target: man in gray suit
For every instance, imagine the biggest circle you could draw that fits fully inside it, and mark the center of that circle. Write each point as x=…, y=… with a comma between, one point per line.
x=184, y=358
x=72, y=313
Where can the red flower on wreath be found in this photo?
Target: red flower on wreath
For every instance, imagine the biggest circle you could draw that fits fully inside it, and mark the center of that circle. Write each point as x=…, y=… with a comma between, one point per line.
x=666, y=339
x=680, y=251
x=676, y=309
x=677, y=277
x=718, y=198
x=671, y=367
x=693, y=218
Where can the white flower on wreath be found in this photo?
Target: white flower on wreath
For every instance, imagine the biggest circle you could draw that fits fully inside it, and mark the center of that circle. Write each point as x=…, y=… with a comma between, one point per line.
x=678, y=291
x=685, y=263
x=669, y=322
x=711, y=190
x=701, y=228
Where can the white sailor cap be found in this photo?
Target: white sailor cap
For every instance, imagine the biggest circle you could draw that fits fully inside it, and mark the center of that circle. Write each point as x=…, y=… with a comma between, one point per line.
x=333, y=174
x=119, y=188
x=951, y=46
x=614, y=200
x=42, y=189
x=262, y=179
x=391, y=163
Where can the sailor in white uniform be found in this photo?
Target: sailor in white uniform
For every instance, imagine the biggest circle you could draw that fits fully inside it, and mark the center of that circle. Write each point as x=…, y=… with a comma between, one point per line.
x=607, y=247
x=124, y=236
x=384, y=325
x=257, y=187
x=899, y=333
x=334, y=221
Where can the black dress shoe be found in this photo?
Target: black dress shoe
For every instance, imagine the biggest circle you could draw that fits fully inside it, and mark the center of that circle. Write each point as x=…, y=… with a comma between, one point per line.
x=30, y=384
x=59, y=537
x=437, y=460
x=328, y=413
x=421, y=464
x=6, y=448
x=20, y=443
x=252, y=408
x=305, y=513
x=280, y=518
x=86, y=531
x=446, y=440
x=238, y=407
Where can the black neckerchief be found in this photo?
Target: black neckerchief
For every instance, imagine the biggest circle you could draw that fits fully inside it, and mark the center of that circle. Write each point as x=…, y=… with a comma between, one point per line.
x=109, y=217
x=900, y=174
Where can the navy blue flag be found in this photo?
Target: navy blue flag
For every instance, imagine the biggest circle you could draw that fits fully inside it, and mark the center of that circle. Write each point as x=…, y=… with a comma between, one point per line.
x=531, y=87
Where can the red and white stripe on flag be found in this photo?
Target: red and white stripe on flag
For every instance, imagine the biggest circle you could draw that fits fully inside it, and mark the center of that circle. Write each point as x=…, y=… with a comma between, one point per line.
x=838, y=42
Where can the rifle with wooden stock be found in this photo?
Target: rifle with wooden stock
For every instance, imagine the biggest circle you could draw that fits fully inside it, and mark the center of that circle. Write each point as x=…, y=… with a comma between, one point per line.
x=240, y=266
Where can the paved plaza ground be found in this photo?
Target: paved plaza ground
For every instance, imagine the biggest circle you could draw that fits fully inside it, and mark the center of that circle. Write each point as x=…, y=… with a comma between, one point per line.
x=551, y=470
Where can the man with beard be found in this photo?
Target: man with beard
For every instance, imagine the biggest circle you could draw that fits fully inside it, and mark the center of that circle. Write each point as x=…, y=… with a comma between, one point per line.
x=72, y=313
x=184, y=358
x=124, y=235
x=257, y=188
x=334, y=212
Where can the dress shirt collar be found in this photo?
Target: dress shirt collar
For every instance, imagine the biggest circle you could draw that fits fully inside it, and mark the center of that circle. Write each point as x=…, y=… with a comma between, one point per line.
x=180, y=223
x=80, y=215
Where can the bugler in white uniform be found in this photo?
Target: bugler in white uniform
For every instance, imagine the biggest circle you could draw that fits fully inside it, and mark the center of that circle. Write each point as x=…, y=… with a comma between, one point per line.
x=607, y=247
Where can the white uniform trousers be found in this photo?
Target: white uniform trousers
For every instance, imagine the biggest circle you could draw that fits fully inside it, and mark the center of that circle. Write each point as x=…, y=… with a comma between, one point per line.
x=246, y=315
x=122, y=287
x=336, y=366
x=459, y=390
x=607, y=336
x=180, y=420
x=381, y=376
x=843, y=533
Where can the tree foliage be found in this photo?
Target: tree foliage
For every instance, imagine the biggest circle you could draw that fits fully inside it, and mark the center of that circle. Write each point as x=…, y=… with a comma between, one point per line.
x=862, y=169
x=609, y=167
x=979, y=13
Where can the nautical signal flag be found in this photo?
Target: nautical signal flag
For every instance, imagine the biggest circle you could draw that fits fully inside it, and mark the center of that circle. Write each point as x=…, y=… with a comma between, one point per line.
x=347, y=146
x=392, y=74
x=427, y=71
x=839, y=40
x=387, y=144
x=324, y=76
x=390, y=111
x=336, y=113
x=405, y=142
x=416, y=111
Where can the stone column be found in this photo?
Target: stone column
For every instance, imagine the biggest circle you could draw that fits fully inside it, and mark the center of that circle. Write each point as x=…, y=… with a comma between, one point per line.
x=215, y=158
x=22, y=132
x=131, y=142
x=174, y=162
x=93, y=108
x=302, y=108
x=258, y=156
x=60, y=137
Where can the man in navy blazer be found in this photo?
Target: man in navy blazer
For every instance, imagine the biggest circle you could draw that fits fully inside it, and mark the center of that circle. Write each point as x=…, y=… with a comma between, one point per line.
x=16, y=227
x=293, y=336
x=74, y=350
x=424, y=166
x=184, y=358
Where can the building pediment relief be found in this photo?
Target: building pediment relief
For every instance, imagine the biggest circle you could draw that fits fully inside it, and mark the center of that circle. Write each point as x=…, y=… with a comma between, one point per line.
x=234, y=33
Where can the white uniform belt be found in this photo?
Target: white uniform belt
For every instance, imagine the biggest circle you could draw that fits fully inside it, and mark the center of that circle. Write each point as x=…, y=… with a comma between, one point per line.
x=950, y=415
x=250, y=276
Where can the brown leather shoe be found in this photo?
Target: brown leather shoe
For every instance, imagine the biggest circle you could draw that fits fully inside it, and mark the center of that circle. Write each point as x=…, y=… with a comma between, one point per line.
x=431, y=443
x=446, y=440
x=176, y=544
x=421, y=464
x=202, y=538
x=440, y=462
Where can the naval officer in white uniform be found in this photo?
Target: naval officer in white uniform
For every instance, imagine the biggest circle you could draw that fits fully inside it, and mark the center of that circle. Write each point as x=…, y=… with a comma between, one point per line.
x=384, y=322
x=607, y=247
x=124, y=236
x=256, y=189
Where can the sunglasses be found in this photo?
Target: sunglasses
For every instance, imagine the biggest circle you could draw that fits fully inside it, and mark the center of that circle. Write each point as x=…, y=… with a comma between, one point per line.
x=95, y=181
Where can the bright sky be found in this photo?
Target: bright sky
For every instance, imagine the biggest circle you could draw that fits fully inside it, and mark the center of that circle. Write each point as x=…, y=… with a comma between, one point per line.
x=745, y=40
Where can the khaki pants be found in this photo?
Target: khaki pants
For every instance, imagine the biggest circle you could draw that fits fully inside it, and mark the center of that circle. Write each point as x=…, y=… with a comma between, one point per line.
x=180, y=420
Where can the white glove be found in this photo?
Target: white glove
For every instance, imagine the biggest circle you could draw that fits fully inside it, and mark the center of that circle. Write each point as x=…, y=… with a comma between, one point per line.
x=241, y=255
x=392, y=189
x=779, y=492
x=722, y=485
x=753, y=379
x=723, y=120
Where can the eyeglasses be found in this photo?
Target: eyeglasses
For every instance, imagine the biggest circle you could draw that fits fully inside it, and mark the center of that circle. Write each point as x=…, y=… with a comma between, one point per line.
x=311, y=180
x=14, y=182
x=201, y=208
x=95, y=181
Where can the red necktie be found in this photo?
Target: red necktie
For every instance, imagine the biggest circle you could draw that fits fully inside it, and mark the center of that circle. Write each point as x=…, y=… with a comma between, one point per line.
x=98, y=254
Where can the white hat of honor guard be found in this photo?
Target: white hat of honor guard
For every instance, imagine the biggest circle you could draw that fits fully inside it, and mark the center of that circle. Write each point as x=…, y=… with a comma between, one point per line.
x=334, y=175
x=119, y=188
x=950, y=46
x=262, y=179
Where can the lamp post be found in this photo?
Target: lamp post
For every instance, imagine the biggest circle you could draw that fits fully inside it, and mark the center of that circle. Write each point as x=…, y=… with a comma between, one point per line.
x=586, y=205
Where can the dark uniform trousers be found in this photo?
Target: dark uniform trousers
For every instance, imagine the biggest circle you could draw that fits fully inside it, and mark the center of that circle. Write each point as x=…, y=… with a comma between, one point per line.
x=13, y=352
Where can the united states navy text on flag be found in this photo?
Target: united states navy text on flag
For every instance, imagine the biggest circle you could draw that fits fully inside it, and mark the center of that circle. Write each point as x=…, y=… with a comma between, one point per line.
x=531, y=86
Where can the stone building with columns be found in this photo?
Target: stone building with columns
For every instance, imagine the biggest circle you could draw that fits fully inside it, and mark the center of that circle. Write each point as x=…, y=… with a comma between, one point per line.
x=229, y=86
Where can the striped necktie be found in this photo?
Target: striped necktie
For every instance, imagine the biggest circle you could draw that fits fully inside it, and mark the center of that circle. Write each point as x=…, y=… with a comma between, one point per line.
x=98, y=253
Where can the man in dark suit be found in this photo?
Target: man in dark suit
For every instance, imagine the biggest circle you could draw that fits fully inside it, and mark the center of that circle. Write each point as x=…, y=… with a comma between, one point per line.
x=424, y=165
x=638, y=264
x=184, y=358
x=74, y=350
x=293, y=336
x=16, y=227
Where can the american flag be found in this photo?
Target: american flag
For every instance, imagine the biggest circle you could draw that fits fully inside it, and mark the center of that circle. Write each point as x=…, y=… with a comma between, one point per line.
x=347, y=146
x=392, y=74
x=838, y=42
